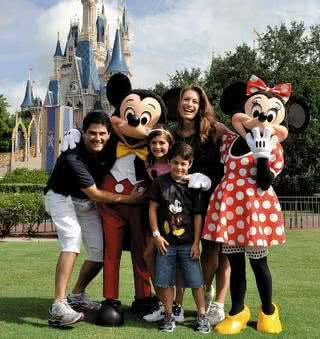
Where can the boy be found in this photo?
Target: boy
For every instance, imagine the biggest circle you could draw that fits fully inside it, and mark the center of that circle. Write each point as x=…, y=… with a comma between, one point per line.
x=175, y=220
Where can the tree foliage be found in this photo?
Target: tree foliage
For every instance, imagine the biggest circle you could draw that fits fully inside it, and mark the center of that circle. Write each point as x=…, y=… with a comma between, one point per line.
x=284, y=54
x=6, y=125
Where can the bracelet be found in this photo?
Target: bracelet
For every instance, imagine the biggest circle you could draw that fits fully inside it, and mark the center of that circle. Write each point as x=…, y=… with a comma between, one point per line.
x=155, y=233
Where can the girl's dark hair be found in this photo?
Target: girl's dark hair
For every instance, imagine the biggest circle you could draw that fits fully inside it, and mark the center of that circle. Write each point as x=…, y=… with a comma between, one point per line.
x=158, y=130
x=205, y=119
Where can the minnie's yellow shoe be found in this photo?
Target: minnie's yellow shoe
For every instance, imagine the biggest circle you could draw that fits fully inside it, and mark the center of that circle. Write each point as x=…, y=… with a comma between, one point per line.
x=233, y=324
x=269, y=323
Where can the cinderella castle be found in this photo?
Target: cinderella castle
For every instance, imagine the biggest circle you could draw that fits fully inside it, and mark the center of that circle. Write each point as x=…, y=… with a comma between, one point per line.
x=77, y=86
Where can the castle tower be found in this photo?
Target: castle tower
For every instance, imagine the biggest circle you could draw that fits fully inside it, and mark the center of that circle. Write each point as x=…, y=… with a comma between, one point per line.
x=89, y=18
x=100, y=53
x=124, y=34
x=58, y=60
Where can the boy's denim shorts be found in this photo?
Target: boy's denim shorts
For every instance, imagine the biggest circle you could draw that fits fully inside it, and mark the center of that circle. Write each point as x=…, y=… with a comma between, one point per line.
x=166, y=267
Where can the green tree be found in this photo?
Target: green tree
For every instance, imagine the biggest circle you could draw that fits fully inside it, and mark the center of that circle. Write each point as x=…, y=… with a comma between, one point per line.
x=6, y=125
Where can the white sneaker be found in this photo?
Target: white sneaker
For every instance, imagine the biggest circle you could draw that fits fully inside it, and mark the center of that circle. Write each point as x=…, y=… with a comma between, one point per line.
x=82, y=302
x=60, y=314
x=178, y=313
x=157, y=313
x=209, y=296
x=215, y=314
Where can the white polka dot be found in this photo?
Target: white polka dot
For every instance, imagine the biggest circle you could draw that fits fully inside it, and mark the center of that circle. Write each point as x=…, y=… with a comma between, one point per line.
x=239, y=210
x=265, y=243
x=240, y=238
x=251, y=181
x=270, y=192
x=231, y=175
x=278, y=165
x=223, y=221
x=248, y=205
x=277, y=206
x=279, y=231
x=239, y=195
x=250, y=192
x=253, y=171
x=229, y=215
x=219, y=239
x=240, y=224
x=119, y=188
x=252, y=231
x=219, y=195
x=254, y=216
x=207, y=237
x=229, y=201
x=243, y=172
x=225, y=235
x=214, y=216
x=260, y=192
x=262, y=217
x=217, y=206
x=273, y=217
x=230, y=187
x=232, y=165
x=231, y=242
x=141, y=189
x=218, y=229
x=259, y=242
x=244, y=161
x=211, y=227
x=267, y=230
x=224, y=184
x=240, y=182
x=256, y=204
x=260, y=230
x=223, y=206
x=266, y=204
x=274, y=242
x=250, y=243
x=230, y=229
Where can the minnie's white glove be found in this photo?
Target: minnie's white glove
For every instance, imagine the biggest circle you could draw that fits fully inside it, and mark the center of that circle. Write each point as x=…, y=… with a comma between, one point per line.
x=261, y=146
x=71, y=139
x=199, y=181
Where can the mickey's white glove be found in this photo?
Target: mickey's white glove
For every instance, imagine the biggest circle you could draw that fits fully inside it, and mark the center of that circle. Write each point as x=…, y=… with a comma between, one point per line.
x=199, y=181
x=71, y=139
x=261, y=146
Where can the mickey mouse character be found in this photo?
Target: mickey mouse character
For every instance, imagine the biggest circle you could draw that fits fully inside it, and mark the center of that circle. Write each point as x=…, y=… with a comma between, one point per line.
x=136, y=113
x=244, y=213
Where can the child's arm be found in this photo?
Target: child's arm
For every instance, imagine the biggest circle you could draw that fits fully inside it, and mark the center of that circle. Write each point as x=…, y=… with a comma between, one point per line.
x=195, y=250
x=160, y=242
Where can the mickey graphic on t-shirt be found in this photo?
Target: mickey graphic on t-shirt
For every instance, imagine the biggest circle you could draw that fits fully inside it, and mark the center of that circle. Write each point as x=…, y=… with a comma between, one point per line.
x=175, y=219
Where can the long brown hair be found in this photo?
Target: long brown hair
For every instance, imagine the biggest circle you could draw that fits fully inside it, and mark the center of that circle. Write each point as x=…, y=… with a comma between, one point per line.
x=205, y=119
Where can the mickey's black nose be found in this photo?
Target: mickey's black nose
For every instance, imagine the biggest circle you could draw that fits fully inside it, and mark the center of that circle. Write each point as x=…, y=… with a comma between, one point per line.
x=133, y=120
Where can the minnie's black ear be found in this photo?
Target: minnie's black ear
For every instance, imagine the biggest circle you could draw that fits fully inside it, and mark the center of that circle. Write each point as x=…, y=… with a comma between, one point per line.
x=298, y=115
x=118, y=87
x=233, y=98
x=171, y=99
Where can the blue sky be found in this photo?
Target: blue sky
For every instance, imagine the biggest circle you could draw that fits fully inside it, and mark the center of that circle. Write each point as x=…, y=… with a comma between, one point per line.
x=166, y=35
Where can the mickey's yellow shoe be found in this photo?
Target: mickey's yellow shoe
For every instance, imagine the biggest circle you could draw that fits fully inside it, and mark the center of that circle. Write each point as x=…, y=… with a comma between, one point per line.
x=269, y=323
x=233, y=324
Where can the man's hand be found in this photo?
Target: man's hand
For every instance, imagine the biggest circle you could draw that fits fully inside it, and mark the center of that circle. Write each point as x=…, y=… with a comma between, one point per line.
x=198, y=181
x=161, y=244
x=195, y=251
x=71, y=139
x=137, y=195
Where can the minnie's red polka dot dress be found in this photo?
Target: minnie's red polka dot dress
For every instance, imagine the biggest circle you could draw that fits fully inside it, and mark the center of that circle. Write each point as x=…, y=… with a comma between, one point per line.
x=240, y=213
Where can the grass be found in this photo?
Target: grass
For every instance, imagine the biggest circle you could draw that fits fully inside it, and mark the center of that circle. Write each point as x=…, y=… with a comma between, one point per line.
x=27, y=278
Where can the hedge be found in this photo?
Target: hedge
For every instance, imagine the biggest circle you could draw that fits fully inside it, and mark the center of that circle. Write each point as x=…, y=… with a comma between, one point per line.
x=25, y=209
x=26, y=176
x=21, y=188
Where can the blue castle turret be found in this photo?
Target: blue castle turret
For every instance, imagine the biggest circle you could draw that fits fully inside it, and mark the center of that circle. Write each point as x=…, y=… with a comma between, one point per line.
x=28, y=100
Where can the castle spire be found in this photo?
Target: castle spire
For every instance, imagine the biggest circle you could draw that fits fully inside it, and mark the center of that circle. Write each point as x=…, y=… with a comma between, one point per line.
x=58, y=52
x=28, y=96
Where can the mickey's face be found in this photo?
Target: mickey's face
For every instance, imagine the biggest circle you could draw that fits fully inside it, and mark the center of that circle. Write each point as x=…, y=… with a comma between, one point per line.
x=137, y=117
x=260, y=111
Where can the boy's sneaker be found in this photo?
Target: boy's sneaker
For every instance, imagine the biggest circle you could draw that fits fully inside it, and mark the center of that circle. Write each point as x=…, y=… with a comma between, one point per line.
x=156, y=314
x=167, y=324
x=209, y=296
x=178, y=313
x=60, y=314
x=82, y=303
x=215, y=314
x=202, y=324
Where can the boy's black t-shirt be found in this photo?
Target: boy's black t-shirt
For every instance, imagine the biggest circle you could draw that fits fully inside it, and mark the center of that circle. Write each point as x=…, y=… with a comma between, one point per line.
x=177, y=206
x=76, y=169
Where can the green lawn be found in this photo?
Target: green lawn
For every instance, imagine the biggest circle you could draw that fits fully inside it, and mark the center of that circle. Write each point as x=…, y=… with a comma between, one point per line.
x=27, y=277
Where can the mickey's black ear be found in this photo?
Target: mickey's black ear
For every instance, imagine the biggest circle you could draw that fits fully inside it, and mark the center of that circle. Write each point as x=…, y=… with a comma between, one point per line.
x=118, y=87
x=233, y=98
x=298, y=115
x=171, y=99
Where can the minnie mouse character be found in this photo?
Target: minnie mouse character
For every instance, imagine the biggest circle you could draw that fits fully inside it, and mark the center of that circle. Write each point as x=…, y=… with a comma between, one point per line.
x=244, y=213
